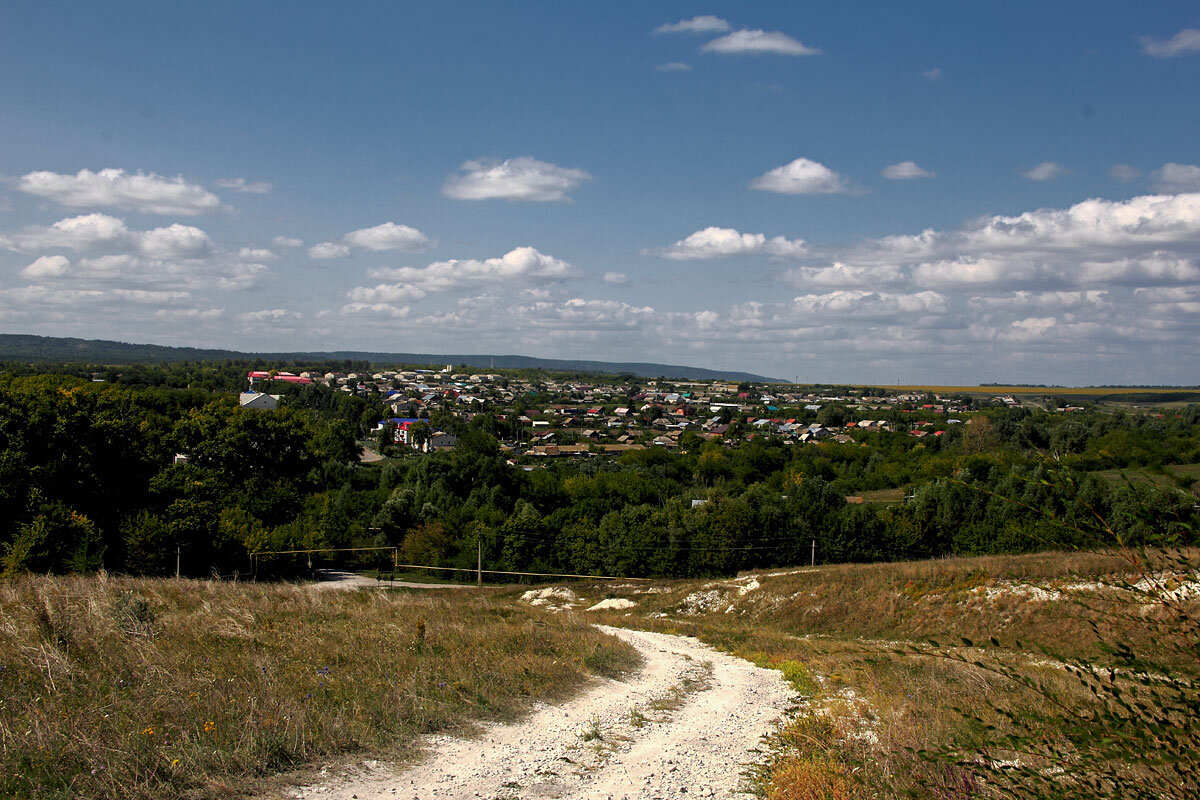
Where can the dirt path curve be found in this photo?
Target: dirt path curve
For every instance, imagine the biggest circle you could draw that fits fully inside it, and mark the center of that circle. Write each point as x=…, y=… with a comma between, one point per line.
x=685, y=726
x=340, y=579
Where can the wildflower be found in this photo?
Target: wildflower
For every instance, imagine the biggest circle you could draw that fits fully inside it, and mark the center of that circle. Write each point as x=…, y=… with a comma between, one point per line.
x=174, y=762
x=210, y=726
x=148, y=731
x=193, y=695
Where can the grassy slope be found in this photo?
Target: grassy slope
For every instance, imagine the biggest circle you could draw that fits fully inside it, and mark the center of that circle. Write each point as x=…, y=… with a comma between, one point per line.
x=852, y=637
x=142, y=688
x=137, y=688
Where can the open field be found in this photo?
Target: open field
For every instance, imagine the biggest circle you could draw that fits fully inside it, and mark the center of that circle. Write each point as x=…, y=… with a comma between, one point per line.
x=1170, y=475
x=885, y=496
x=1180, y=394
x=117, y=688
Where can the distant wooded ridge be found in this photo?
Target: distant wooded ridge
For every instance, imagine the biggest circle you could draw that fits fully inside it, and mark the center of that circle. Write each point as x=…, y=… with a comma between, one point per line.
x=26, y=347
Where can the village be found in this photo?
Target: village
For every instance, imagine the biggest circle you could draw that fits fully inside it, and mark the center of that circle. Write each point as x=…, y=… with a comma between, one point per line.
x=545, y=417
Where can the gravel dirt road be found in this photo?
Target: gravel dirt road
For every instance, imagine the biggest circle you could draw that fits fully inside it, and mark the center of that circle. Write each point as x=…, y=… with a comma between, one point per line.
x=340, y=579
x=685, y=726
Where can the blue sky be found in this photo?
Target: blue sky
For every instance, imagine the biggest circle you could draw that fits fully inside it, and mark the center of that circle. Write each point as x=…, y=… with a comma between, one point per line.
x=943, y=192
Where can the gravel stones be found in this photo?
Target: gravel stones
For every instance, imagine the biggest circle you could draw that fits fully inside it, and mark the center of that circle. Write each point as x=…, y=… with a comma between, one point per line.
x=685, y=726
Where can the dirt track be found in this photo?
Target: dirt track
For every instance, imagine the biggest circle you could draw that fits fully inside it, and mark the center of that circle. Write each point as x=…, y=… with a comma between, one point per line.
x=339, y=579
x=685, y=726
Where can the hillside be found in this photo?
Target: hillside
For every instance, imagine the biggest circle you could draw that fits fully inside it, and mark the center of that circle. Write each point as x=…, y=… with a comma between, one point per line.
x=956, y=678
x=26, y=347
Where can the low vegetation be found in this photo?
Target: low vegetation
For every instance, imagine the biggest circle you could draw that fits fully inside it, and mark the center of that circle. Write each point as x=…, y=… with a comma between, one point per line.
x=1048, y=675
x=125, y=688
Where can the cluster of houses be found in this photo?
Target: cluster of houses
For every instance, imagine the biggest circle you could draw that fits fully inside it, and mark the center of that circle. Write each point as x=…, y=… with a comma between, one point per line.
x=565, y=417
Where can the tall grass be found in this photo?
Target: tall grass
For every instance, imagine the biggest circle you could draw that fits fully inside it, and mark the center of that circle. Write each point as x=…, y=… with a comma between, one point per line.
x=119, y=688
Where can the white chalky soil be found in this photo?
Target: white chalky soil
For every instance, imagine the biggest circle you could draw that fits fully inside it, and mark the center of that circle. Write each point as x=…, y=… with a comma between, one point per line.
x=699, y=749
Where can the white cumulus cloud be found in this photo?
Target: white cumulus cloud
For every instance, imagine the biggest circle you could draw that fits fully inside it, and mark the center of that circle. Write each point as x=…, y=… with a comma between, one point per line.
x=256, y=254
x=243, y=185
x=1045, y=171
x=616, y=279
x=376, y=309
x=47, y=267
x=175, y=241
x=1175, y=178
x=1056, y=301
x=715, y=242
x=386, y=293
x=1029, y=329
x=100, y=232
x=524, y=178
x=287, y=241
x=1186, y=41
x=145, y=192
x=905, y=170
x=268, y=315
x=324, y=250
x=759, y=42
x=388, y=236
x=858, y=302
x=82, y=233
x=803, y=176
x=706, y=23
x=846, y=275
x=113, y=254
x=522, y=264
x=674, y=66
x=1143, y=241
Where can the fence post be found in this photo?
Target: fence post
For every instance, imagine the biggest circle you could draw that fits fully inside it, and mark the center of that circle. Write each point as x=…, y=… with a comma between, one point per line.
x=814, y=553
x=479, y=562
x=177, y=562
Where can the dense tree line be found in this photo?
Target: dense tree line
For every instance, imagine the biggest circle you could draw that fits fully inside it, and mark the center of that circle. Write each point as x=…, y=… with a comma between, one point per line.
x=88, y=478
x=88, y=475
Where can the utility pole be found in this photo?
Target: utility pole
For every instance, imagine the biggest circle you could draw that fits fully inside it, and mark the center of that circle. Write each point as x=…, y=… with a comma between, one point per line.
x=814, y=553
x=479, y=562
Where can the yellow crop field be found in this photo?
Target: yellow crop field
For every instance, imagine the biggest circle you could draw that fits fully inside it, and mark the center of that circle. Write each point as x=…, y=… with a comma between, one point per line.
x=1065, y=391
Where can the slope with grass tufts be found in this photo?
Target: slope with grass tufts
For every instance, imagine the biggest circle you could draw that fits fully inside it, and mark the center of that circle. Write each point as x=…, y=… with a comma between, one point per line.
x=1034, y=647
x=121, y=688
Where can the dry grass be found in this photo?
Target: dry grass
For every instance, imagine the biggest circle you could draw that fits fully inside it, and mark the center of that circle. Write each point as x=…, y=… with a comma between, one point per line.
x=886, y=496
x=943, y=599
x=853, y=640
x=141, y=688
